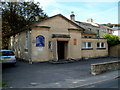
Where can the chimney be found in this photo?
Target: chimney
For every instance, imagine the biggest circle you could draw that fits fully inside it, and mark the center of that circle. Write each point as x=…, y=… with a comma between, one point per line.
x=72, y=16
x=90, y=20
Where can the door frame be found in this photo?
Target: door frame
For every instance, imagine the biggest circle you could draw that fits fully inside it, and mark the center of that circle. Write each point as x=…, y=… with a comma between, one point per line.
x=65, y=49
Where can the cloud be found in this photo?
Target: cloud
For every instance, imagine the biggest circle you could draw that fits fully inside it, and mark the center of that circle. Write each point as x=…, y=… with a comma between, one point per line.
x=45, y=3
x=88, y=9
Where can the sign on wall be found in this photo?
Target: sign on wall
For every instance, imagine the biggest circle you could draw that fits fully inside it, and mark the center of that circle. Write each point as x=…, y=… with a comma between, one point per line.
x=40, y=41
x=75, y=41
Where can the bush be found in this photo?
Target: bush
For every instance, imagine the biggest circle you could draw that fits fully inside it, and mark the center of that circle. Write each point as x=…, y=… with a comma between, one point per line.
x=112, y=39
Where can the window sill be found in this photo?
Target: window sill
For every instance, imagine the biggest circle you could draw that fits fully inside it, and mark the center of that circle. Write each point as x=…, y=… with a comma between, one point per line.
x=87, y=48
x=101, y=48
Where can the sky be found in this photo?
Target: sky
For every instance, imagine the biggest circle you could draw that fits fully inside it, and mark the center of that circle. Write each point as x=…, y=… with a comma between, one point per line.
x=101, y=11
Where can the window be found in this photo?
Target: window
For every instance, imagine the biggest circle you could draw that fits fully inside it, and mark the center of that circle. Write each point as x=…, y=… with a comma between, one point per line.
x=86, y=45
x=100, y=45
x=110, y=31
x=104, y=30
x=89, y=45
x=50, y=45
x=83, y=44
x=89, y=29
x=26, y=42
x=98, y=33
x=19, y=41
x=90, y=36
x=87, y=36
x=7, y=53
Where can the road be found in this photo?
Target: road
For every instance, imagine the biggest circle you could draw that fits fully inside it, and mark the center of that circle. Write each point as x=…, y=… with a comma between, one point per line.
x=46, y=75
x=112, y=83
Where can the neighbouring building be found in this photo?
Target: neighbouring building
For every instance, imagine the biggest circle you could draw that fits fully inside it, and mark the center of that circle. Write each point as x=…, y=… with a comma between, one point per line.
x=116, y=31
x=105, y=30
x=56, y=38
x=92, y=29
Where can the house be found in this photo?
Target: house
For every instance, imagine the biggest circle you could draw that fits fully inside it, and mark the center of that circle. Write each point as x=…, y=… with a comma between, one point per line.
x=105, y=30
x=90, y=30
x=116, y=31
x=56, y=38
x=93, y=30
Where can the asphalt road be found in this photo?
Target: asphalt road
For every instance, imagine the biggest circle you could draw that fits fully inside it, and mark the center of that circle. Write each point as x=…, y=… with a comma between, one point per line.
x=24, y=75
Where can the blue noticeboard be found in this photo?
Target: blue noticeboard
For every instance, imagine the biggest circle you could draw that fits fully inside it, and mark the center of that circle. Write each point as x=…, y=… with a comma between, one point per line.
x=40, y=41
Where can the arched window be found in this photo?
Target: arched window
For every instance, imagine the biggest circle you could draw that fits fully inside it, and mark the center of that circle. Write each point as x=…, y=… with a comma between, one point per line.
x=40, y=41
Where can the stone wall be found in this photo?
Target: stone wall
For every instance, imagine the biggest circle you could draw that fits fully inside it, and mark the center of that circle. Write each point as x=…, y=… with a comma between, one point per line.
x=114, y=51
x=104, y=67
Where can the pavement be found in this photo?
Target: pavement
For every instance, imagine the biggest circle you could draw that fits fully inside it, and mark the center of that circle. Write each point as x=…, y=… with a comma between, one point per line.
x=77, y=83
x=47, y=75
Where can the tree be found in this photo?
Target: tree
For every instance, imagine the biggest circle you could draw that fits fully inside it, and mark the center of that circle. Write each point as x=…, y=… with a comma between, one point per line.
x=16, y=15
x=109, y=25
x=112, y=39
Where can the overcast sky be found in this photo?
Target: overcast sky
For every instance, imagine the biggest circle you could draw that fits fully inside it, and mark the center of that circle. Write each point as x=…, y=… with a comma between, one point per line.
x=101, y=11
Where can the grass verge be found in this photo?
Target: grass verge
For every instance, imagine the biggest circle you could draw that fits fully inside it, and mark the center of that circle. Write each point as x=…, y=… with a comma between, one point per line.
x=3, y=84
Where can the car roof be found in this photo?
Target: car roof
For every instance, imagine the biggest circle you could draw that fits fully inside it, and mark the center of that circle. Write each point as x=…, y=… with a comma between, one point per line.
x=5, y=50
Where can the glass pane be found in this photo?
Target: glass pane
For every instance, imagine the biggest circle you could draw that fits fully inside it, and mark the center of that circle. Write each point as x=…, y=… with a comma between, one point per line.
x=7, y=53
x=98, y=45
x=84, y=45
x=89, y=44
x=102, y=45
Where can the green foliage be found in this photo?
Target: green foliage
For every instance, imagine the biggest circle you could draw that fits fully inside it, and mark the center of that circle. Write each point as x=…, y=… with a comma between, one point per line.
x=112, y=39
x=3, y=84
x=16, y=15
x=109, y=25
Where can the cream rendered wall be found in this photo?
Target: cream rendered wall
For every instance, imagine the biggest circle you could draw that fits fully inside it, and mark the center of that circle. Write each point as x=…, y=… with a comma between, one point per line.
x=22, y=45
x=40, y=53
x=75, y=50
x=95, y=52
x=18, y=46
x=57, y=25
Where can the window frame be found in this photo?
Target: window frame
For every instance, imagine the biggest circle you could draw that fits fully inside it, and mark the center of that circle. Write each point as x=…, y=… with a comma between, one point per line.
x=86, y=45
x=100, y=45
x=89, y=29
x=50, y=45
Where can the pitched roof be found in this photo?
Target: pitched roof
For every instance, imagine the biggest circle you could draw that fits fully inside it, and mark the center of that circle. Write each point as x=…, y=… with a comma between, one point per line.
x=60, y=16
x=89, y=32
x=86, y=23
x=103, y=26
x=32, y=25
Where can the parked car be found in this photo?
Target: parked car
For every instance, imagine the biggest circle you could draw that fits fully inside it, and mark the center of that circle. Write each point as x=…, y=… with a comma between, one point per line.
x=7, y=56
